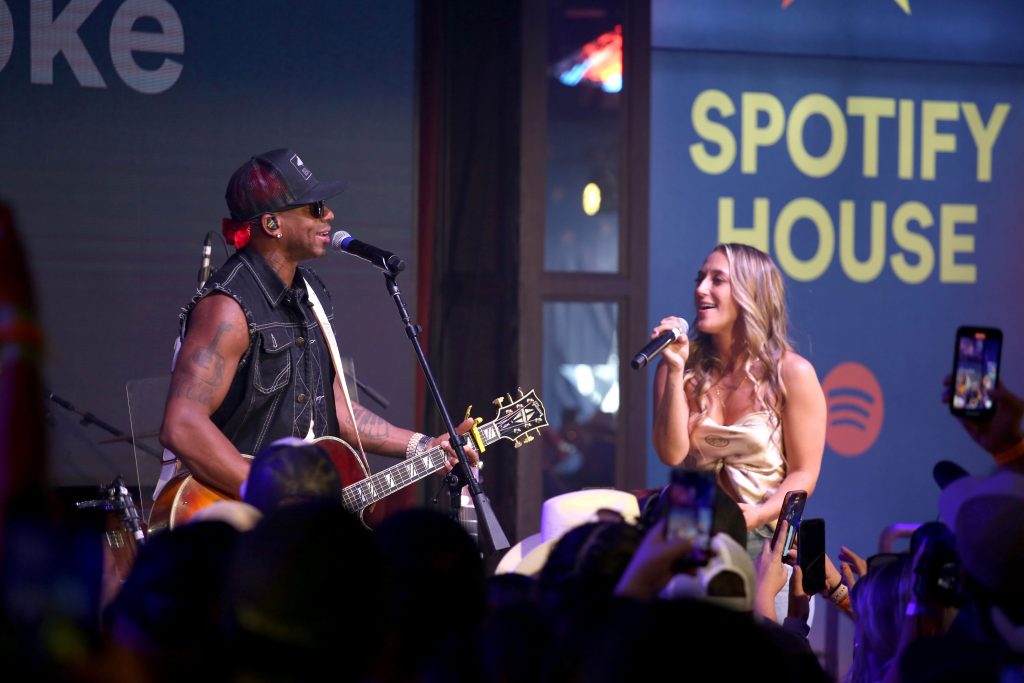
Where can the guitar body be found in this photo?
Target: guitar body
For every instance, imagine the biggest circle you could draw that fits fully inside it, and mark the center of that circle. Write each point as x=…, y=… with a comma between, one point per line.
x=184, y=495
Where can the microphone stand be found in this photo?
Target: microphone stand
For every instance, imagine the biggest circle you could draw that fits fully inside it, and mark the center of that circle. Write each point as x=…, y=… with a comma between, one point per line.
x=89, y=418
x=459, y=476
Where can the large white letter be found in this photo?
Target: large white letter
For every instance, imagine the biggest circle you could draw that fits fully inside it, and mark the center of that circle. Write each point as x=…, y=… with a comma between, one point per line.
x=49, y=37
x=124, y=41
x=6, y=34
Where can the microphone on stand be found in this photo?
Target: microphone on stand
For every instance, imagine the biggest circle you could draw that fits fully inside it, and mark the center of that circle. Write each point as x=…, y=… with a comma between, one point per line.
x=385, y=260
x=206, y=269
x=657, y=345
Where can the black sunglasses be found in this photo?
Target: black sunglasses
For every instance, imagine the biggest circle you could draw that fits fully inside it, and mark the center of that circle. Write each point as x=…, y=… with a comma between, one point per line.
x=317, y=209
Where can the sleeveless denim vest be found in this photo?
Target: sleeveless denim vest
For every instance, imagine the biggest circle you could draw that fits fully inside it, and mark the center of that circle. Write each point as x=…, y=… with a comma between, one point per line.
x=286, y=376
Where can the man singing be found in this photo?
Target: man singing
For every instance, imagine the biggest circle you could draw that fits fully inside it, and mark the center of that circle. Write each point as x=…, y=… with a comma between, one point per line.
x=255, y=363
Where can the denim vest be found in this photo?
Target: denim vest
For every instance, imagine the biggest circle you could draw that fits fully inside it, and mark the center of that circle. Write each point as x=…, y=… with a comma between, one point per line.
x=286, y=376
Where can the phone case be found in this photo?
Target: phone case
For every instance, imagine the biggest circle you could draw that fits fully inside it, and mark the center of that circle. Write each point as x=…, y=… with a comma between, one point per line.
x=811, y=555
x=976, y=357
x=792, y=510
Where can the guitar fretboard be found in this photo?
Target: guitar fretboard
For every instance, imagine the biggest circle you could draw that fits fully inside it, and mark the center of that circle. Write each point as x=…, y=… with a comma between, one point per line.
x=357, y=496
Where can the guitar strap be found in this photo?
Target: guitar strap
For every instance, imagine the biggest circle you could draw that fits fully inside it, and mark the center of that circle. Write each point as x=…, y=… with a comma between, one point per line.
x=332, y=344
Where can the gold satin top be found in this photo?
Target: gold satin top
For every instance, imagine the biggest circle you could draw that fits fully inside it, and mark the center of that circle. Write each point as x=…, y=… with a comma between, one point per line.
x=747, y=457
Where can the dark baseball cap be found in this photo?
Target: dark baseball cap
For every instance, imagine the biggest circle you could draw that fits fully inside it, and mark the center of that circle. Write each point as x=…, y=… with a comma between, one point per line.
x=275, y=181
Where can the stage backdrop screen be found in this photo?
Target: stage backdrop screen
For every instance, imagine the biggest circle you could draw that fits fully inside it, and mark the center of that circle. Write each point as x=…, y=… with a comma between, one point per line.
x=873, y=152
x=122, y=121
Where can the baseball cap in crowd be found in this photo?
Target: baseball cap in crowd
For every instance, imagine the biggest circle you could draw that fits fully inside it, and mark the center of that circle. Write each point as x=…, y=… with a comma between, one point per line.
x=726, y=580
x=275, y=181
x=945, y=472
x=560, y=514
x=291, y=470
x=986, y=514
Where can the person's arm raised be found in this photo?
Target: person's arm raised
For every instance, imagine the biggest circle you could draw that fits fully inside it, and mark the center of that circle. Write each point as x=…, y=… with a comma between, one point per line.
x=216, y=339
x=671, y=433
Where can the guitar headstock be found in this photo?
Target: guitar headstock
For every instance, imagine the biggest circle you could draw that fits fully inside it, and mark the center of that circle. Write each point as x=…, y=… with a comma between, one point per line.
x=520, y=418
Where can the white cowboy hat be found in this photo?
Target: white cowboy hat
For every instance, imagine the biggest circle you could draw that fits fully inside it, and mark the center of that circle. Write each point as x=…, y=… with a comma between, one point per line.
x=557, y=516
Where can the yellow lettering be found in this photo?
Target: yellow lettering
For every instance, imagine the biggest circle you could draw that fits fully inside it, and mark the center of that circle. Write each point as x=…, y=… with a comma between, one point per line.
x=754, y=135
x=807, y=106
x=932, y=141
x=871, y=109
x=985, y=134
x=912, y=274
x=811, y=269
x=857, y=270
x=952, y=243
x=756, y=236
x=905, y=168
x=712, y=131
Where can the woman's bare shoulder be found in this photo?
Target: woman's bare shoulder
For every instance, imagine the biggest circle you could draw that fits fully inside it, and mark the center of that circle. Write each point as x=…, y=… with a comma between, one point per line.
x=797, y=369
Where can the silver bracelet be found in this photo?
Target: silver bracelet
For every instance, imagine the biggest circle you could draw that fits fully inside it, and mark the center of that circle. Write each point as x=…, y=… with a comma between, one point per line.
x=416, y=444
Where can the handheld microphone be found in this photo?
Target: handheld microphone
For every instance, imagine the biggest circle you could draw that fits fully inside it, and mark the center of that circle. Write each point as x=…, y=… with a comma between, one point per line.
x=657, y=345
x=385, y=260
x=206, y=269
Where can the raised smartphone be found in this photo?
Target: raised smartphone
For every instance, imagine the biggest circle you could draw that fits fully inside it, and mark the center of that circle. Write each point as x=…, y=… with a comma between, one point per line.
x=792, y=510
x=810, y=549
x=689, y=512
x=975, y=371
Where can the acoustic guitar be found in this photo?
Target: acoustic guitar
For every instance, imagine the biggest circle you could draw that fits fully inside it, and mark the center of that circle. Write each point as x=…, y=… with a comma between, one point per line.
x=184, y=495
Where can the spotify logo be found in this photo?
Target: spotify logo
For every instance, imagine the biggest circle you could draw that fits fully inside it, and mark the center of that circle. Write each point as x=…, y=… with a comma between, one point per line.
x=855, y=409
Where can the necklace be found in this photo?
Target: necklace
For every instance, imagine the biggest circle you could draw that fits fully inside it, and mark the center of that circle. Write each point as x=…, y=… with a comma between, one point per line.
x=731, y=390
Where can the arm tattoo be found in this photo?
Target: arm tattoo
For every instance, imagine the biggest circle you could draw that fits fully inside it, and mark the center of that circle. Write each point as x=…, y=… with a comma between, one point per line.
x=210, y=360
x=191, y=390
x=370, y=425
x=198, y=381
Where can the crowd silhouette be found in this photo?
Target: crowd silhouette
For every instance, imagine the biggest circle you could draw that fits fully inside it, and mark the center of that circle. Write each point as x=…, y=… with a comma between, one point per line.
x=287, y=585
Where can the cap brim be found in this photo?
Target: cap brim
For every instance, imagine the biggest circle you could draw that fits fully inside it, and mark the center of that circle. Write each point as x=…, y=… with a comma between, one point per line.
x=511, y=561
x=956, y=493
x=322, y=190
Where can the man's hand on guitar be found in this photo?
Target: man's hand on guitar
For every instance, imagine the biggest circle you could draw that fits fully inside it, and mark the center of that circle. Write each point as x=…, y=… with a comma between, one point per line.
x=443, y=441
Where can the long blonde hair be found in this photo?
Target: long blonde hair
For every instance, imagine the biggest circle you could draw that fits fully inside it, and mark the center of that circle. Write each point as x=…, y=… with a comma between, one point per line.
x=759, y=294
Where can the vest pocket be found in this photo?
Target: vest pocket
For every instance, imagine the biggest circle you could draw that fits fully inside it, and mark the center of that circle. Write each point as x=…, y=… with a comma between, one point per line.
x=273, y=370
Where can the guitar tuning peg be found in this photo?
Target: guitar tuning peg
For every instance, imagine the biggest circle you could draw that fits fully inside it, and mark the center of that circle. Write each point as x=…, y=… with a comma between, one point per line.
x=517, y=443
x=528, y=438
x=498, y=401
x=521, y=394
x=469, y=410
x=510, y=399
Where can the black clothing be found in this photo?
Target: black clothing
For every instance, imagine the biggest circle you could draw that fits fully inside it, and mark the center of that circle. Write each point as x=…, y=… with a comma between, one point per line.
x=286, y=376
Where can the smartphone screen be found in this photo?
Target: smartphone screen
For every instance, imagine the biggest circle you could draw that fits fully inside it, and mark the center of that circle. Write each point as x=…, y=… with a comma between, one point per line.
x=690, y=511
x=975, y=371
x=810, y=550
x=792, y=510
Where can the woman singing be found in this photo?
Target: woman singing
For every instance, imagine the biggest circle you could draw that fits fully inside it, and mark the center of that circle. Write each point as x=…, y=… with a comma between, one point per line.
x=737, y=399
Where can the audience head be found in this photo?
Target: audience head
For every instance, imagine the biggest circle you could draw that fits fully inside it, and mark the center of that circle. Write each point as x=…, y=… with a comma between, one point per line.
x=436, y=572
x=307, y=578
x=588, y=561
x=880, y=600
x=986, y=514
x=288, y=471
x=561, y=513
x=167, y=614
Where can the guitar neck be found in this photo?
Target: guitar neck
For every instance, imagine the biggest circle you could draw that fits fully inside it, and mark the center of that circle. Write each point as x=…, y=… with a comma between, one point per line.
x=364, y=493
